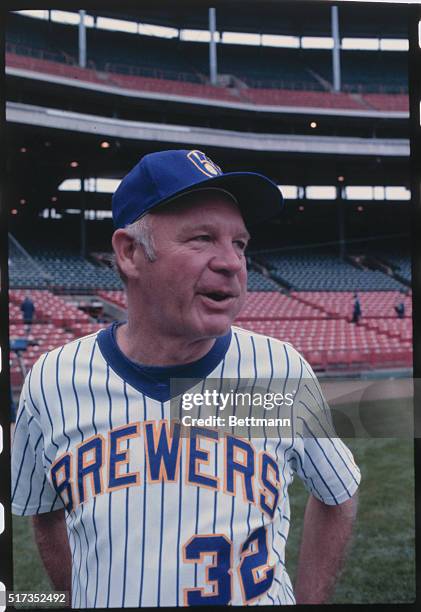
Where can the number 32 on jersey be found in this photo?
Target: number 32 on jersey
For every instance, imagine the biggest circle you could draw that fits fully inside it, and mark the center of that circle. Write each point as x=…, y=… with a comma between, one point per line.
x=254, y=573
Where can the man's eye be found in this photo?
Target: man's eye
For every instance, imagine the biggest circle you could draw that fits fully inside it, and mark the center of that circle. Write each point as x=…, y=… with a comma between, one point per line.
x=202, y=238
x=241, y=244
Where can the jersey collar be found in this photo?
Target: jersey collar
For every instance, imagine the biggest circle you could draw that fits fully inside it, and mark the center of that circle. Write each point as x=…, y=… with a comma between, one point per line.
x=154, y=381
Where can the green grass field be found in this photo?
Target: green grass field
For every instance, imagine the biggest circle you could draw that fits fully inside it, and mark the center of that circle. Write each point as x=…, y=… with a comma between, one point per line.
x=381, y=563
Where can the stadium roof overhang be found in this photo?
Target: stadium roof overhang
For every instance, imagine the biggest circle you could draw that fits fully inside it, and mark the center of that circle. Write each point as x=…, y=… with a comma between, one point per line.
x=52, y=141
x=290, y=18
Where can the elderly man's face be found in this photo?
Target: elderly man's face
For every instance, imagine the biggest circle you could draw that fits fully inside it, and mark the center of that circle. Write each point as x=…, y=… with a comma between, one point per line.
x=198, y=283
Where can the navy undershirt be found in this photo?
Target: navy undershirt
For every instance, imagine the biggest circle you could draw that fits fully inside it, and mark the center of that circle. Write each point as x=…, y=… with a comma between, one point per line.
x=154, y=381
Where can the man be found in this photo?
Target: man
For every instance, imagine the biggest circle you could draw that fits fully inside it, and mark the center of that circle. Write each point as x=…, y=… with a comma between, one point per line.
x=356, y=312
x=28, y=308
x=152, y=517
x=400, y=305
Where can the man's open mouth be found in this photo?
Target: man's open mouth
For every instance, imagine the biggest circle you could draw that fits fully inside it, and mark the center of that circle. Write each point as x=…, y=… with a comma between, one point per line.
x=218, y=296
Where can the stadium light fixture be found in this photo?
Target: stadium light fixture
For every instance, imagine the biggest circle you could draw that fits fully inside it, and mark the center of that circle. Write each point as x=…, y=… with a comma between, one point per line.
x=103, y=214
x=70, y=185
x=316, y=42
x=397, y=193
x=241, y=38
x=197, y=35
x=394, y=44
x=105, y=144
x=23, y=150
x=74, y=164
x=301, y=208
x=313, y=124
x=359, y=192
x=360, y=208
x=275, y=40
x=22, y=201
x=148, y=29
x=65, y=17
x=117, y=25
x=290, y=192
x=360, y=44
x=34, y=14
x=378, y=192
x=341, y=178
x=54, y=198
x=92, y=184
x=321, y=192
x=107, y=185
x=14, y=211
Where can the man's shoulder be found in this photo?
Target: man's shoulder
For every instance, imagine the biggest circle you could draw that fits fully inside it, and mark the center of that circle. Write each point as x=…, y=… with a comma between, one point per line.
x=263, y=339
x=77, y=351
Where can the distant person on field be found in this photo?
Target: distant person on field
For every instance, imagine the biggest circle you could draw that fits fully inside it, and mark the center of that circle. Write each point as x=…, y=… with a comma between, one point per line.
x=400, y=307
x=28, y=309
x=356, y=313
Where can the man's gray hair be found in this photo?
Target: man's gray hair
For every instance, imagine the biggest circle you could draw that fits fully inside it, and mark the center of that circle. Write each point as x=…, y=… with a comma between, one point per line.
x=141, y=232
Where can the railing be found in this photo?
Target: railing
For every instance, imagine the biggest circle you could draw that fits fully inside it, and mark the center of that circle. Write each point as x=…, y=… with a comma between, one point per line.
x=281, y=84
x=154, y=73
x=395, y=87
x=62, y=57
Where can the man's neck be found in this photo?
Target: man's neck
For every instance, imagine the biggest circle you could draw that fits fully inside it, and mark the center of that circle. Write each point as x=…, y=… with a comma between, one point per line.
x=140, y=347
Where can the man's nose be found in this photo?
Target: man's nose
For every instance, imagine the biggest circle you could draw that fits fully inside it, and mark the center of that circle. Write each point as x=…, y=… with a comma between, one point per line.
x=228, y=259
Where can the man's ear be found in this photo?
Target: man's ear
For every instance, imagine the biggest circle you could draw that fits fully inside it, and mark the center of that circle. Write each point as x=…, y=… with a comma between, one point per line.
x=125, y=249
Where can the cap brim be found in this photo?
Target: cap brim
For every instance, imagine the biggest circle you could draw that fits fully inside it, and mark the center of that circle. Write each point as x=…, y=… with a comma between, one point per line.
x=258, y=197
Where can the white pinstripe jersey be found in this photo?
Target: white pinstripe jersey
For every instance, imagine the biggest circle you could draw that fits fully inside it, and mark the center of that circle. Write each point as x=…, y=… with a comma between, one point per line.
x=156, y=520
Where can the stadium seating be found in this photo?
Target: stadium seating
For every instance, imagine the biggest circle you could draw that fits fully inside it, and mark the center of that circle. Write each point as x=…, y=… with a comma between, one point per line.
x=314, y=323
x=49, y=308
x=315, y=270
x=314, y=99
x=386, y=102
x=374, y=304
x=364, y=72
x=65, y=271
x=262, y=306
x=331, y=343
x=173, y=87
x=115, y=297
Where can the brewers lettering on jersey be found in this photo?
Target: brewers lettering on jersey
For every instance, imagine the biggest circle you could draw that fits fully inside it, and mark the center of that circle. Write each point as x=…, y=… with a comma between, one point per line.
x=129, y=511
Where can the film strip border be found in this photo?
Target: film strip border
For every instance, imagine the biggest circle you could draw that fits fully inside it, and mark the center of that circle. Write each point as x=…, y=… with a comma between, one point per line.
x=6, y=566
x=414, y=73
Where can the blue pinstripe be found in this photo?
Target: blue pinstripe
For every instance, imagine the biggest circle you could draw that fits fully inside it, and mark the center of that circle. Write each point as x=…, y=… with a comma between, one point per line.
x=127, y=505
x=29, y=391
x=161, y=528
x=145, y=488
x=32, y=475
x=60, y=398
x=75, y=392
x=234, y=411
x=330, y=440
x=215, y=498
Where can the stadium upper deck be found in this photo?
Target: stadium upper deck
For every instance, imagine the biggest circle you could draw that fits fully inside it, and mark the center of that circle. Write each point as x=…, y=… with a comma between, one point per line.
x=257, y=67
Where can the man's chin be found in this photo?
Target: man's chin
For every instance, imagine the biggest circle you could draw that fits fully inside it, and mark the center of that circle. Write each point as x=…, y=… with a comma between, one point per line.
x=218, y=326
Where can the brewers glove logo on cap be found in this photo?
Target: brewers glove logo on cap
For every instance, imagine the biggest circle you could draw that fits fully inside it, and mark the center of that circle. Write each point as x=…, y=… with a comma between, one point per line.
x=204, y=164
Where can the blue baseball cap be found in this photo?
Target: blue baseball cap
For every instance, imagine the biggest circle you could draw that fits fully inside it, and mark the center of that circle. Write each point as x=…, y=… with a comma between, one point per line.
x=159, y=178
